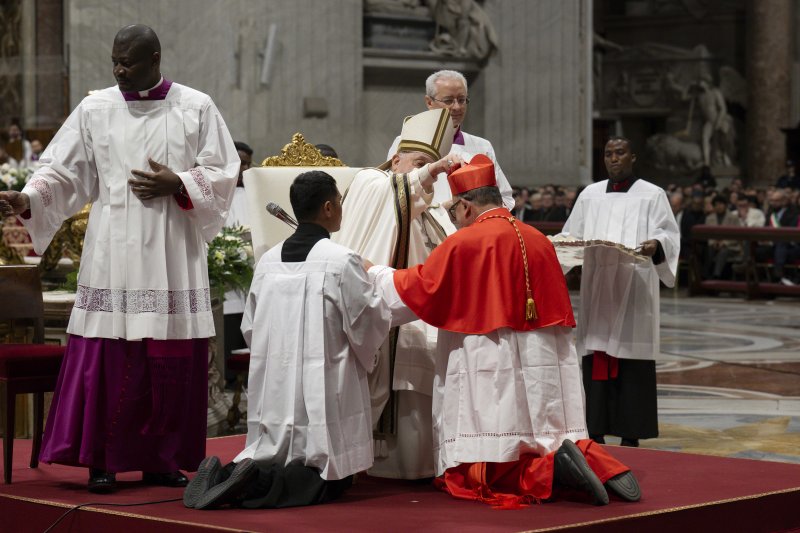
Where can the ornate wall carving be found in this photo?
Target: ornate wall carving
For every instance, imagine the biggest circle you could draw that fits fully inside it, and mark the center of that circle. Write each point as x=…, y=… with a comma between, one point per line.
x=10, y=60
x=689, y=92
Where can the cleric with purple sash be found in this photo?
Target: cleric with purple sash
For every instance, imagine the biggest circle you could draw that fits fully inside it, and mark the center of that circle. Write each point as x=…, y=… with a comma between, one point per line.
x=158, y=165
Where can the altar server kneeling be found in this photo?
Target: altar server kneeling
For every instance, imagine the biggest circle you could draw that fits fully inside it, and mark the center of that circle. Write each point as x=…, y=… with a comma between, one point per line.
x=314, y=323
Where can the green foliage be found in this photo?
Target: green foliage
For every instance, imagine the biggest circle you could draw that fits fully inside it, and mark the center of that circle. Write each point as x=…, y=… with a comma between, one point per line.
x=71, y=284
x=230, y=260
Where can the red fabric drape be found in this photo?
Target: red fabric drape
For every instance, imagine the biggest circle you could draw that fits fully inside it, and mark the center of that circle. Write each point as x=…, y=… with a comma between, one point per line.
x=519, y=483
x=604, y=366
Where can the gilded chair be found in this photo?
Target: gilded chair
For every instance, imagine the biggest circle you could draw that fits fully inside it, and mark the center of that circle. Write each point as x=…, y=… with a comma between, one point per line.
x=24, y=368
x=271, y=181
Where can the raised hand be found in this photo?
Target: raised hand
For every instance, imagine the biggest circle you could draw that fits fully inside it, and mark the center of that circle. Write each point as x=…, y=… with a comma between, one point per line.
x=160, y=182
x=447, y=164
x=13, y=203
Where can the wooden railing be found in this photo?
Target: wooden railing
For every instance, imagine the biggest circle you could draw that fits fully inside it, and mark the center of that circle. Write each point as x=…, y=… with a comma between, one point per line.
x=752, y=285
x=548, y=228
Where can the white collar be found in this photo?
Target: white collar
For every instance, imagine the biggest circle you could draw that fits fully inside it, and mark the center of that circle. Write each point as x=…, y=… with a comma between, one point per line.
x=146, y=93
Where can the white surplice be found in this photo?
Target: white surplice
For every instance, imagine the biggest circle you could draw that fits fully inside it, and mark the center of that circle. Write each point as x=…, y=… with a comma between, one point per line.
x=143, y=270
x=313, y=328
x=619, y=308
x=369, y=226
x=500, y=395
x=473, y=145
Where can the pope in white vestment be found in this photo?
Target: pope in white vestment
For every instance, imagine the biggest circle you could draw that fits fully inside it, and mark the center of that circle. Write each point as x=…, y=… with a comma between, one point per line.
x=466, y=145
x=387, y=220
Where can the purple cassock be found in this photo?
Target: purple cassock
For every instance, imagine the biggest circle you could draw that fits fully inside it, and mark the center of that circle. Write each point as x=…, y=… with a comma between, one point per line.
x=122, y=405
x=129, y=405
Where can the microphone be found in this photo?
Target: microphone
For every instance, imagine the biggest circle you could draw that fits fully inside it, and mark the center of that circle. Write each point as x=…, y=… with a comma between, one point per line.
x=278, y=212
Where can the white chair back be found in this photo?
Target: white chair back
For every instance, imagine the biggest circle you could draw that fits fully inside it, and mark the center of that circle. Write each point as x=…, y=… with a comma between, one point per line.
x=271, y=184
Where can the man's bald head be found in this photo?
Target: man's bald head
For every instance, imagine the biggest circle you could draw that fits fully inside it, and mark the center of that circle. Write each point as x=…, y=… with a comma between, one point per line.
x=136, y=57
x=139, y=35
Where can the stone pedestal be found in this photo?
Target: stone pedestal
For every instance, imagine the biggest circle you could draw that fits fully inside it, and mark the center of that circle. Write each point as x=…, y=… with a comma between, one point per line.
x=769, y=41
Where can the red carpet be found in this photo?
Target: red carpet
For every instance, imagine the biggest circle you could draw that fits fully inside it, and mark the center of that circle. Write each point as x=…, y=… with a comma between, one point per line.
x=681, y=492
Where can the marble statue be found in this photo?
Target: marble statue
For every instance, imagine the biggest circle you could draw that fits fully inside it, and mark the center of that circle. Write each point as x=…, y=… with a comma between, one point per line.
x=463, y=29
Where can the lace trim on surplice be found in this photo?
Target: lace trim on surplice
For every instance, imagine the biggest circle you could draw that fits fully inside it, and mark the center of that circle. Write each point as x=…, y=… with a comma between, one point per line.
x=202, y=183
x=43, y=188
x=161, y=301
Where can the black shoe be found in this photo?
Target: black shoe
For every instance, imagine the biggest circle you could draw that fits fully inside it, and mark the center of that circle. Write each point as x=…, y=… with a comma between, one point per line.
x=208, y=474
x=232, y=489
x=599, y=439
x=168, y=479
x=633, y=443
x=570, y=470
x=101, y=482
x=625, y=486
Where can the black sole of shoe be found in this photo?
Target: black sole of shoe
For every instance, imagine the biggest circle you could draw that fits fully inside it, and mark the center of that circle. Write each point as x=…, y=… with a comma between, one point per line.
x=598, y=490
x=201, y=482
x=245, y=472
x=625, y=486
x=102, y=488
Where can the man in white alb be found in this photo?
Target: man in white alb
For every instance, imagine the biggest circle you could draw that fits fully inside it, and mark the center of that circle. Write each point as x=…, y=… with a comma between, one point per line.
x=314, y=323
x=618, y=321
x=157, y=163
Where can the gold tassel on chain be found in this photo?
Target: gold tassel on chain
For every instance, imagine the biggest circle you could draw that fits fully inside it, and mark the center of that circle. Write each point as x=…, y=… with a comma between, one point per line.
x=530, y=305
x=530, y=309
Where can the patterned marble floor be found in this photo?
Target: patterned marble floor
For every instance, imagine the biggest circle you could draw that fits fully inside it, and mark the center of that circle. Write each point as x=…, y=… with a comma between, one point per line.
x=729, y=377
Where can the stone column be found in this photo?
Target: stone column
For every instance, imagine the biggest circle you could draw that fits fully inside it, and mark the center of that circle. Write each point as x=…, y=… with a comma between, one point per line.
x=538, y=91
x=769, y=42
x=28, y=49
x=51, y=80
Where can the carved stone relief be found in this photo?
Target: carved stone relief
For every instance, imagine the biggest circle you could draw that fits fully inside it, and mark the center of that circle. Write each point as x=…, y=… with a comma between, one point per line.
x=10, y=60
x=688, y=90
x=457, y=28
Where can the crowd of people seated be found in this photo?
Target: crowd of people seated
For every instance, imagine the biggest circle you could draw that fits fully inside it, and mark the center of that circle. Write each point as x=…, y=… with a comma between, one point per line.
x=704, y=202
x=746, y=206
x=549, y=203
x=16, y=150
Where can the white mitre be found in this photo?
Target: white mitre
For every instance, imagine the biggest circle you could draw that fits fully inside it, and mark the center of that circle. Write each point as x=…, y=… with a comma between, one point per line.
x=430, y=132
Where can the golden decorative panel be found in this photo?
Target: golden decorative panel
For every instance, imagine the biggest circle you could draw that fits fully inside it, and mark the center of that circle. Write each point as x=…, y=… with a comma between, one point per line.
x=299, y=153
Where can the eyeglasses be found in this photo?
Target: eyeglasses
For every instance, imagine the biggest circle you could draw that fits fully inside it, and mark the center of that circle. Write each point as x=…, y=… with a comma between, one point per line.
x=449, y=101
x=451, y=211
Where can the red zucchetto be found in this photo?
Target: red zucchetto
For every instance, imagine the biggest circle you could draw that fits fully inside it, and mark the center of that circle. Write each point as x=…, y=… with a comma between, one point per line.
x=479, y=172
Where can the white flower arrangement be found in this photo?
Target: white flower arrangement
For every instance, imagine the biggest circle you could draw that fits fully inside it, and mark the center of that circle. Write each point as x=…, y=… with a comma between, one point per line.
x=13, y=179
x=230, y=260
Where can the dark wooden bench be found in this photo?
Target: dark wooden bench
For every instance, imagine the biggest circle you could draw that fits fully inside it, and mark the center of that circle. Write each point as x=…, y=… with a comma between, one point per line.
x=548, y=228
x=753, y=286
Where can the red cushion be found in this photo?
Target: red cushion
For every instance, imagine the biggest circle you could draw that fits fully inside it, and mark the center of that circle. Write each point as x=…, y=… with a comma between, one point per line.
x=239, y=362
x=30, y=360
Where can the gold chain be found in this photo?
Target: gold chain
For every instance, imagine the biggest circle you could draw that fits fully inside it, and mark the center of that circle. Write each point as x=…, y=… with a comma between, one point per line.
x=530, y=305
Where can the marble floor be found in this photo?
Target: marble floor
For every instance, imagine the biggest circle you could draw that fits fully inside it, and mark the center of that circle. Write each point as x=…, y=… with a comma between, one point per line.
x=729, y=377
